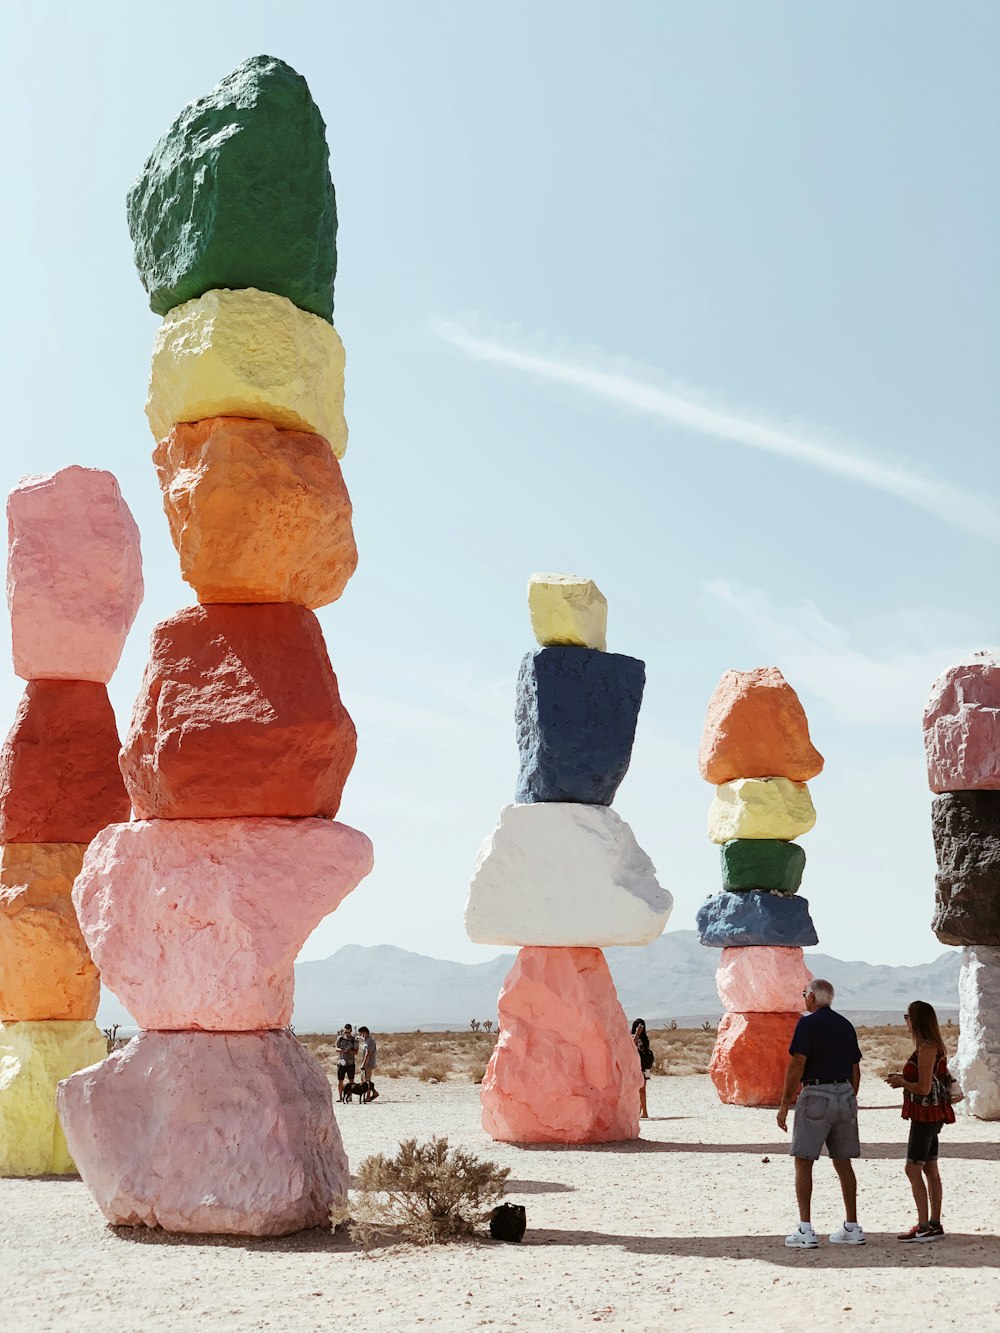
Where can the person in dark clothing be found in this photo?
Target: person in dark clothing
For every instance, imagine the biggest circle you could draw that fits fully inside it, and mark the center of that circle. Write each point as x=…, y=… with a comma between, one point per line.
x=641, y=1039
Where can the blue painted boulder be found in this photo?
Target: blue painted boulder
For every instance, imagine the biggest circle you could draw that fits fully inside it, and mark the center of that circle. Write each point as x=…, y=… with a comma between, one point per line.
x=734, y=920
x=576, y=713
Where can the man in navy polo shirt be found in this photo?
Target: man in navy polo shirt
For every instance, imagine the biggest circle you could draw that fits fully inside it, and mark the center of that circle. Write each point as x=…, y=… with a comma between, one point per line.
x=826, y=1063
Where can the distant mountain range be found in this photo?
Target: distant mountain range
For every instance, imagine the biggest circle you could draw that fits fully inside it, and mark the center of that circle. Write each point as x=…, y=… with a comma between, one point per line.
x=393, y=990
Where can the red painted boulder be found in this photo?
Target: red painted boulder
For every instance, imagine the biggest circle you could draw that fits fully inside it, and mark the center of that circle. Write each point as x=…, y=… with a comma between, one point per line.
x=751, y=1056
x=238, y=714
x=962, y=727
x=565, y=1069
x=59, y=776
x=755, y=727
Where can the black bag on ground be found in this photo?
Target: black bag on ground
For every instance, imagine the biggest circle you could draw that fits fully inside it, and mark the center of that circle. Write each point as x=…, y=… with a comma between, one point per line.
x=508, y=1222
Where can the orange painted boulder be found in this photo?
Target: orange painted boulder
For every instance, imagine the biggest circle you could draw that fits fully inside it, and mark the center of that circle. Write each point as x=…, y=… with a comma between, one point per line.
x=751, y=1056
x=565, y=1069
x=59, y=776
x=755, y=727
x=45, y=969
x=257, y=513
x=238, y=714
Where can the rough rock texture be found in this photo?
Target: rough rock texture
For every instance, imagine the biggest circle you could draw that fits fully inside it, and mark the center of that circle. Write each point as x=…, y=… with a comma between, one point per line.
x=966, y=828
x=762, y=863
x=257, y=514
x=566, y=609
x=74, y=575
x=962, y=727
x=59, y=777
x=238, y=714
x=750, y=1058
x=760, y=808
x=229, y=1133
x=762, y=981
x=564, y=875
x=564, y=1069
x=197, y=923
x=977, y=1066
x=238, y=193
x=248, y=354
x=742, y=920
x=45, y=969
x=755, y=727
x=34, y=1057
x=576, y=713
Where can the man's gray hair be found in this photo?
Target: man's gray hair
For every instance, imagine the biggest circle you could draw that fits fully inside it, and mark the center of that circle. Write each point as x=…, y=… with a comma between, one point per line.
x=821, y=991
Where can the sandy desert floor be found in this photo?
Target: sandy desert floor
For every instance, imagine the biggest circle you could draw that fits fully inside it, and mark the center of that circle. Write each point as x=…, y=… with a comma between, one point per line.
x=681, y=1230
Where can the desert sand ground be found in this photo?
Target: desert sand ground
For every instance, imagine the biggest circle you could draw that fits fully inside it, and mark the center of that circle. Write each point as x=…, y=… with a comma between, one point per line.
x=681, y=1230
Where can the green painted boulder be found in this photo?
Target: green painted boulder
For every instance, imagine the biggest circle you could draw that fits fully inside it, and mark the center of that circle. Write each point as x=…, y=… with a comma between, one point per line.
x=238, y=194
x=762, y=863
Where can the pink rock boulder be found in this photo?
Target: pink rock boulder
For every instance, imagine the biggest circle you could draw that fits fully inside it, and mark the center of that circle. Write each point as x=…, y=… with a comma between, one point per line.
x=962, y=727
x=565, y=1069
x=74, y=575
x=763, y=980
x=221, y=1133
x=196, y=923
x=751, y=1056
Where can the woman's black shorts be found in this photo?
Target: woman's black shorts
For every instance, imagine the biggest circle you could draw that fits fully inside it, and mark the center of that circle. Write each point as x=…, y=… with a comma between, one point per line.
x=922, y=1145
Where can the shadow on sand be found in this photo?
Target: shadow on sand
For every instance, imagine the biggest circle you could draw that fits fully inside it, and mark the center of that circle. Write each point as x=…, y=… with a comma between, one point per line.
x=971, y=1152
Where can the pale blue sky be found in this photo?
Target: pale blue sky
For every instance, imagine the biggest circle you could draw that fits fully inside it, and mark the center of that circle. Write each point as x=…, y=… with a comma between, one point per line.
x=697, y=300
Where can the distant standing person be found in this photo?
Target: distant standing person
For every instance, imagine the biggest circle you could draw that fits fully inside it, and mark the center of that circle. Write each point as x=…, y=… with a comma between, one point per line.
x=641, y=1039
x=826, y=1063
x=926, y=1085
x=368, y=1053
x=347, y=1050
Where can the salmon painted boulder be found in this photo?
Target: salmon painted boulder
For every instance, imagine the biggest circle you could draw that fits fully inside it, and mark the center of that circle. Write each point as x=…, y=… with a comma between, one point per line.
x=762, y=980
x=219, y=1133
x=59, y=775
x=760, y=808
x=751, y=1056
x=962, y=727
x=238, y=714
x=196, y=924
x=755, y=727
x=565, y=1069
x=74, y=575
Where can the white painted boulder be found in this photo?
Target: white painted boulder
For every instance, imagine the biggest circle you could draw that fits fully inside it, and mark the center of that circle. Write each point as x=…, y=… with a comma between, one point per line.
x=977, y=1065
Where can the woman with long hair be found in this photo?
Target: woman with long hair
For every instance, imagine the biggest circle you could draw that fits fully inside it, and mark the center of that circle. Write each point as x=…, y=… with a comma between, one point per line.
x=925, y=1082
x=645, y=1061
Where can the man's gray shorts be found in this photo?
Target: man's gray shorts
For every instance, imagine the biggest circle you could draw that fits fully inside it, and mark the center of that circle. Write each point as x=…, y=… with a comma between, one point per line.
x=826, y=1115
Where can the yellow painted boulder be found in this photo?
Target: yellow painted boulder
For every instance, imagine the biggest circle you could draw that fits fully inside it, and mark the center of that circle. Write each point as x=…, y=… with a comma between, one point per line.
x=761, y=808
x=565, y=609
x=34, y=1058
x=248, y=354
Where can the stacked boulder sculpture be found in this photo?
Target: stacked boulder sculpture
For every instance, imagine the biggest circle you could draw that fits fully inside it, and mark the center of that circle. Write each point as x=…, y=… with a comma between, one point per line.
x=215, y=1119
x=562, y=877
x=756, y=750
x=962, y=743
x=74, y=585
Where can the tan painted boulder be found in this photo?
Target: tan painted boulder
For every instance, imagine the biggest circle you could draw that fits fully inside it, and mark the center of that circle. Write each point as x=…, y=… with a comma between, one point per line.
x=751, y=1056
x=755, y=727
x=760, y=808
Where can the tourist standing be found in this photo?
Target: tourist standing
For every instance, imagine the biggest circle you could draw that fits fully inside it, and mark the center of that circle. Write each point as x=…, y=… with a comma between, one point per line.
x=368, y=1055
x=641, y=1039
x=347, y=1050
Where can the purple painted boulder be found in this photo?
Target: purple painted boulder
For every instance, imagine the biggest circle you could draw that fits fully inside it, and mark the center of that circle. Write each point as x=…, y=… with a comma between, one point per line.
x=962, y=727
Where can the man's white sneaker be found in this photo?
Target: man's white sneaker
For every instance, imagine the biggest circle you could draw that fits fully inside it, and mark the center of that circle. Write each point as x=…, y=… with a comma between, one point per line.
x=802, y=1240
x=848, y=1236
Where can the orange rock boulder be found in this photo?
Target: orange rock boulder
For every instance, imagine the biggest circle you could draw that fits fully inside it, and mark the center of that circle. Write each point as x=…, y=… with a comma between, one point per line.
x=755, y=727
x=750, y=1058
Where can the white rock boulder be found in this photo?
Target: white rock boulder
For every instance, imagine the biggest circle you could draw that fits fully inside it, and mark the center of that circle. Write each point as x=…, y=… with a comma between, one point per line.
x=977, y=1065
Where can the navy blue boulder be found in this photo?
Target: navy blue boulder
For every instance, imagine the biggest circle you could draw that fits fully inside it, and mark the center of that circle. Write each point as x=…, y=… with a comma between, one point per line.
x=737, y=919
x=576, y=713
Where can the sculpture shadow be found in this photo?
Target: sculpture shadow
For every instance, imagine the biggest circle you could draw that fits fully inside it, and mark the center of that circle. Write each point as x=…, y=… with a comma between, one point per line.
x=317, y=1240
x=971, y=1152
x=538, y=1187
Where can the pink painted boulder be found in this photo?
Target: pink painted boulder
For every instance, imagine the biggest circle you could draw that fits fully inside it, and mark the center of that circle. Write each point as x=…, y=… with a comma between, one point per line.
x=196, y=923
x=751, y=1056
x=74, y=575
x=223, y=1133
x=962, y=727
x=565, y=1069
x=764, y=980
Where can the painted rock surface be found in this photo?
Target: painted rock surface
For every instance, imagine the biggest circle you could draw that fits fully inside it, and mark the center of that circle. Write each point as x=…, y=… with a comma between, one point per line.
x=565, y=609
x=575, y=714
x=760, y=808
x=561, y=1026
x=197, y=923
x=762, y=863
x=755, y=727
x=34, y=1057
x=45, y=969
x=238, y=193
x=762, y=980
x=225, y=1133
x=742, y=920
x=257, y=514
x=59, y=776
x=966, y=827
x=248, y=354
x=977, y=1066
x=557, y=874
x=962, y=727
x=750, y=1058
x=238, y=714
x=74, y=575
